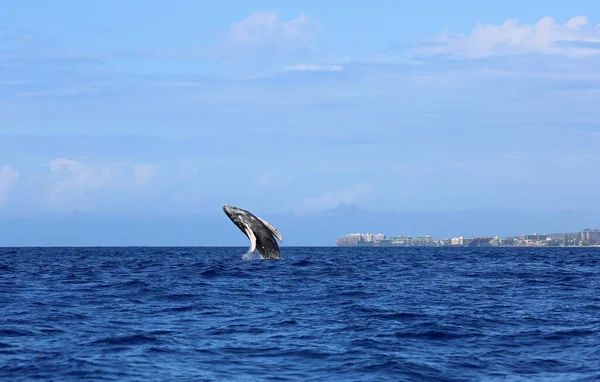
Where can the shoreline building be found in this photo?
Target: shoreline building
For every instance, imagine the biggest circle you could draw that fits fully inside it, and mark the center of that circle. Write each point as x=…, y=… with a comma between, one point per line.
x=586, y=238
x=590, y=237
x=355, y=239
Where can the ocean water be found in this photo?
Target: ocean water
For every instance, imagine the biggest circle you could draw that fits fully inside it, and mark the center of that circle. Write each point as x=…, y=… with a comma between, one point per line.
x=318, y=314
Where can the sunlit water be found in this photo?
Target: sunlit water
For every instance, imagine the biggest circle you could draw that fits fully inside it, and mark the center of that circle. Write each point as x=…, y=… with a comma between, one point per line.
x=334, y=314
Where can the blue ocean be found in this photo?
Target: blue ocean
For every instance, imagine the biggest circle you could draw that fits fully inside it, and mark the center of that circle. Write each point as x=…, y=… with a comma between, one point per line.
x=318, y=314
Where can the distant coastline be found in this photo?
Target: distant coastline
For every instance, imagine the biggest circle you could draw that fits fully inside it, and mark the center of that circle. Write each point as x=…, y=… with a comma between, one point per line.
x=586, y=238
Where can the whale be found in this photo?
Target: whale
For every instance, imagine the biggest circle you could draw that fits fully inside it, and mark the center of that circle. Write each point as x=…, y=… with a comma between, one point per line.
x=260, y=233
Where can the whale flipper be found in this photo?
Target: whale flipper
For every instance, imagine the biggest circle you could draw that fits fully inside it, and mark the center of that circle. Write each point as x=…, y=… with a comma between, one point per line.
x=252, y=238
x=273, y=229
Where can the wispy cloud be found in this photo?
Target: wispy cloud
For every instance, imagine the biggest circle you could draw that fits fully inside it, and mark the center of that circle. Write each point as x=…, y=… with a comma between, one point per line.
x=314, y=67
x=26, y=49
x=58, y=92
x=144, y=172
x=265, y=28
x=260, y=44
x=575, y=38
x=75, y=184
x=265, y=39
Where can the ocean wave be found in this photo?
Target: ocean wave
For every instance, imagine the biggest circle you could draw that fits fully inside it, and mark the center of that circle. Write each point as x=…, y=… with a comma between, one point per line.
x=351, y=314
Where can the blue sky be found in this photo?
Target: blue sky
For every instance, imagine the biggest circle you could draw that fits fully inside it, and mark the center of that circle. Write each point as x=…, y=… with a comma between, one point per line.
x=160, y=111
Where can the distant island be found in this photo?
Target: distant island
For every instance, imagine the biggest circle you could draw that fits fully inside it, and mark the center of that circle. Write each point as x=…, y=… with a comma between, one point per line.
x=585, y=238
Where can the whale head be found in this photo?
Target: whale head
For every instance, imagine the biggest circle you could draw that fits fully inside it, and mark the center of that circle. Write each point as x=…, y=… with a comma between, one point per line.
x=236, y=215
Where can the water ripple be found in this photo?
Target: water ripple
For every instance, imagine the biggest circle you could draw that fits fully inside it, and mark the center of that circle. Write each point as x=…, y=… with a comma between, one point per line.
x=347, y=314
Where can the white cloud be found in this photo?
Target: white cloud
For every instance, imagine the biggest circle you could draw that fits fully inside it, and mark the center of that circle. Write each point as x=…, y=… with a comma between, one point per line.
x=263, y=28
x=8, y=177
x=144, y=172
x=60, y=92
x=71, y=183
x=575, y=38
x=353, y=194
x=60, y=163
x=266, y=39
x=313, y=67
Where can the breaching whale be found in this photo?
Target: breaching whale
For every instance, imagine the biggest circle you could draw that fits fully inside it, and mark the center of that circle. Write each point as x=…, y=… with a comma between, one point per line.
x=258, y=231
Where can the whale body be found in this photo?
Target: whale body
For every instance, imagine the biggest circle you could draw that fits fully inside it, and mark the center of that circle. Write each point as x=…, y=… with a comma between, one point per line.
x=260, y=233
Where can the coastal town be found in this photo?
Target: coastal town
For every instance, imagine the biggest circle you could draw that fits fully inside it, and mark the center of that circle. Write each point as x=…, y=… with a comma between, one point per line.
x=585, y=238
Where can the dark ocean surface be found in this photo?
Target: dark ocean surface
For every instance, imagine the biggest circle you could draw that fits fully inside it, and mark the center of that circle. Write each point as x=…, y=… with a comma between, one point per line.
x=318, y=314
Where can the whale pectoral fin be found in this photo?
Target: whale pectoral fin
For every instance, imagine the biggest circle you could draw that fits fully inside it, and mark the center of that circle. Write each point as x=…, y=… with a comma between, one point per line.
x=273, y=229
x=252, y=238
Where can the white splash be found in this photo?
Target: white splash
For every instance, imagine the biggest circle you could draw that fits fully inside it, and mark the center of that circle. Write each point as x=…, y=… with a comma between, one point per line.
x=253, y=255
